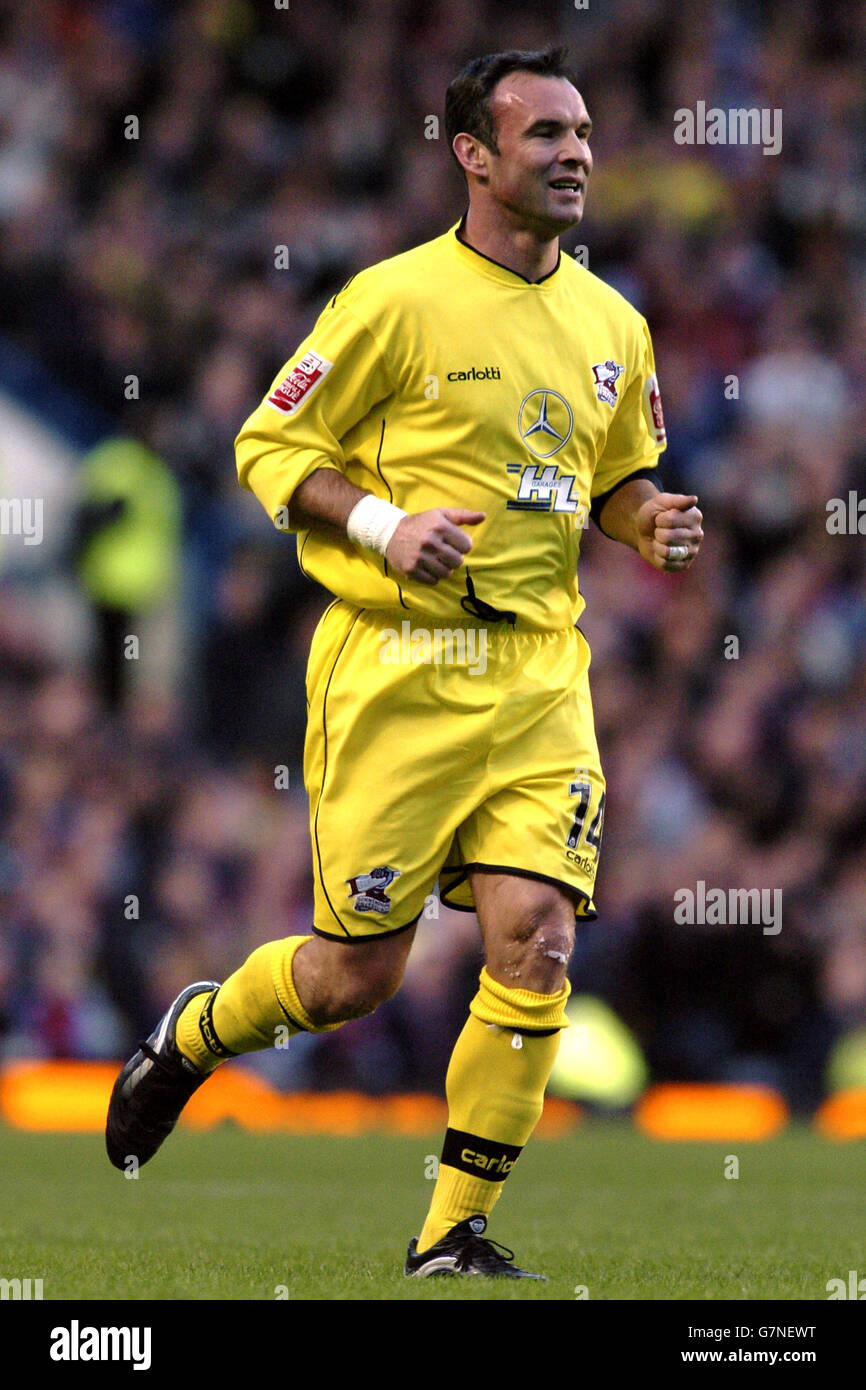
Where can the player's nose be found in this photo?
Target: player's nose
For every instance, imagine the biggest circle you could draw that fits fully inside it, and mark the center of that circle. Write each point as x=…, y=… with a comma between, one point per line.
x=575, y=153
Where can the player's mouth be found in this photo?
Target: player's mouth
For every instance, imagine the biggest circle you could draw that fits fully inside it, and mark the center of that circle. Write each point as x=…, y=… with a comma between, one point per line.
x=567, y=185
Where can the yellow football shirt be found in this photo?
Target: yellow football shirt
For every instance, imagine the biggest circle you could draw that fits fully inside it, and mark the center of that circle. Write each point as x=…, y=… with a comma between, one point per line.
x=439, y=378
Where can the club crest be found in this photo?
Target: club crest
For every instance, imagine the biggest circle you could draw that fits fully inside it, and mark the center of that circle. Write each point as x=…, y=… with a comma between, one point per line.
x=368, y=890
x=606, y=374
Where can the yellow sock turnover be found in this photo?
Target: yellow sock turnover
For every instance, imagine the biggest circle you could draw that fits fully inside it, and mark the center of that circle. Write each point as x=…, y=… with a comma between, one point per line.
x=256, y=1007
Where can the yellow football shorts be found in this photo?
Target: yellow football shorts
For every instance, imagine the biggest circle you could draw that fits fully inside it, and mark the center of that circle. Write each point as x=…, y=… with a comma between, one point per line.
x=432, y=751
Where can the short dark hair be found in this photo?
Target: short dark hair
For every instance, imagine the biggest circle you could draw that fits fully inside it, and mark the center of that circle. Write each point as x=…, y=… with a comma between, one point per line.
x=467, y=101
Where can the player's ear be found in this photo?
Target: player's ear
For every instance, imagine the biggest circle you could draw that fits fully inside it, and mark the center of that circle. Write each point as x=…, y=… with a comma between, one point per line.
x=472, y=156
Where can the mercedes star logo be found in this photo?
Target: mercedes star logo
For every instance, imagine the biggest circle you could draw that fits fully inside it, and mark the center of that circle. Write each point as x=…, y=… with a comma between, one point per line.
x=544, y=421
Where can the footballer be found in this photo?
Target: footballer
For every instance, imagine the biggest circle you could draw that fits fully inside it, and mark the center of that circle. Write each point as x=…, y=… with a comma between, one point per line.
x=437, y=444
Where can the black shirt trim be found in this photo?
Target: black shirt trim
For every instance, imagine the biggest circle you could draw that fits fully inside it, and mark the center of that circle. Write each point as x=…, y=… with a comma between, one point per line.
x=470, y=247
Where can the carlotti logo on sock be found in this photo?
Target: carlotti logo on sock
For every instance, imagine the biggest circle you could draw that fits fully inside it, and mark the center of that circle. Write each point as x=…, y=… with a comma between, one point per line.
x=483, y=1158
x=490, y=1163
x=77, y=1343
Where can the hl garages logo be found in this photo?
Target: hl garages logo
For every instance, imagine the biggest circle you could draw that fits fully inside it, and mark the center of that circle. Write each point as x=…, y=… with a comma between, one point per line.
x=545, y=422
x=653, y=406
x=544, y=490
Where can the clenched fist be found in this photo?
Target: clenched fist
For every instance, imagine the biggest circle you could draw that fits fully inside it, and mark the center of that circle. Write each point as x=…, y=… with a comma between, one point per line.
x=669, y=531
x=430, y=545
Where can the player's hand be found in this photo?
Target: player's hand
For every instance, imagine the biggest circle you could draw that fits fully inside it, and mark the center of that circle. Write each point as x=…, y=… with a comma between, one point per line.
x=669, y=520
x=430, y=545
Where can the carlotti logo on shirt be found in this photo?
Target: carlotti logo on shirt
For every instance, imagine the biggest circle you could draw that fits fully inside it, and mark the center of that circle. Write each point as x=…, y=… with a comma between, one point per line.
x=476, y=374
x=301, y=382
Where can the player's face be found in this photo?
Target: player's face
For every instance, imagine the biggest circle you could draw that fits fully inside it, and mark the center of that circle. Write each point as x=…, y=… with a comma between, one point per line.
x=541, y=170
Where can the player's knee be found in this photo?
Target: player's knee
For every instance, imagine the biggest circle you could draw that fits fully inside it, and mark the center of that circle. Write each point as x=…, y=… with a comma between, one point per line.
x=554, y=944
x=362, y=996
x=538, y=947
x=547, y=917
x=359, y=988
x=549, y=950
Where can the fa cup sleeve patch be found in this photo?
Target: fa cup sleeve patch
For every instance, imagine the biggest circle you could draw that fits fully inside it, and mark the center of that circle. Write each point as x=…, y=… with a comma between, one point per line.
x=301, y=382
x=653, y=406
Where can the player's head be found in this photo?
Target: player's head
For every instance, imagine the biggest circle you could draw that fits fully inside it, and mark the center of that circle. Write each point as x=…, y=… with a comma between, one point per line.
x=517, y=126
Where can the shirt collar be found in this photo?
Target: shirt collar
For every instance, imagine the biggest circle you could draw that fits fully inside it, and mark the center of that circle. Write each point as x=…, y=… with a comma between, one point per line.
x=486, y=266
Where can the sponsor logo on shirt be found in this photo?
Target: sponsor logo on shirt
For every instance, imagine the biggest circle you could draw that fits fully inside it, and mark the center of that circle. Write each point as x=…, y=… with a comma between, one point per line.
x=301, y=382
x=477, y=374
x=545, y=422
x=546, y=490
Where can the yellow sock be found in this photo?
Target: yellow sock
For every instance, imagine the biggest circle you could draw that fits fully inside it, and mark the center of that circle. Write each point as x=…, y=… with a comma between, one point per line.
x=495, y=1089
x=257, y=1007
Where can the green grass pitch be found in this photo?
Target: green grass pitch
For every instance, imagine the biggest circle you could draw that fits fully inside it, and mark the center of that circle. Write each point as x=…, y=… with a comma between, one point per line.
x=236, y=1216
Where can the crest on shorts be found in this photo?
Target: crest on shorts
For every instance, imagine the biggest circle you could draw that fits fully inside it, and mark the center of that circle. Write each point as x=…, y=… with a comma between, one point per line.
x=606, y=374
x=368, y=890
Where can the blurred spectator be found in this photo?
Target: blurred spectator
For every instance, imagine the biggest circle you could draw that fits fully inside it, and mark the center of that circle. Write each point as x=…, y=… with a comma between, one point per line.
x=124, y=544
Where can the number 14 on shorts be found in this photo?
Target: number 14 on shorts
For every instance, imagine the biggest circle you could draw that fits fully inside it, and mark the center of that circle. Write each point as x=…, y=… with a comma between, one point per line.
x=581, y=787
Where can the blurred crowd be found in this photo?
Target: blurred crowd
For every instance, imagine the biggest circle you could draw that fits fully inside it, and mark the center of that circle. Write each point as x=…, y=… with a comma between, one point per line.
x=148, y=837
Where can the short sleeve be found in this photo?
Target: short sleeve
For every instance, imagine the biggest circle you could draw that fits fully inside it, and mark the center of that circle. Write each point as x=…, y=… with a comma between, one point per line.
x=336, y=377
x=637, y=432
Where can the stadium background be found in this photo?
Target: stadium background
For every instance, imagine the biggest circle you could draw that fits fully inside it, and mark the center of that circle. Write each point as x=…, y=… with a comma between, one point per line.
x=145, y=305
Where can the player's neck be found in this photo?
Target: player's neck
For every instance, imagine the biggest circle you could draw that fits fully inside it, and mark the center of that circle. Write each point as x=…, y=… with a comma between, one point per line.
x=515, y=248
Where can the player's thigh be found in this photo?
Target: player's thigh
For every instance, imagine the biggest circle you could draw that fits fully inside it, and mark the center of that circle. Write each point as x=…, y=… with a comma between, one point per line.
x=543, y=815
x=392, y=766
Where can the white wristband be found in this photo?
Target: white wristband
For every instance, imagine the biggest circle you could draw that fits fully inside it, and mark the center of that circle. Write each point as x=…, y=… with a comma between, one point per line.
x=372, y=522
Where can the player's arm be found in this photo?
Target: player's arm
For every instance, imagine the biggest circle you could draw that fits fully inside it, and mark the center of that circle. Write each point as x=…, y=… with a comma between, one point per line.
x=629, y=503
x=290, y=454
x=653, y=523
x=426, y=546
